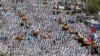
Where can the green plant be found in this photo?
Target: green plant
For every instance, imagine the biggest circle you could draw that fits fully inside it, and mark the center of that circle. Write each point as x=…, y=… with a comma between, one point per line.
x=93, y=6
x=1, y=53
x=85, y=22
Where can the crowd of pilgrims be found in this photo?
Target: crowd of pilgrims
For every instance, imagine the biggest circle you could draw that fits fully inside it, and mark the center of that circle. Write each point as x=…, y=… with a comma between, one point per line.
x=47, y=35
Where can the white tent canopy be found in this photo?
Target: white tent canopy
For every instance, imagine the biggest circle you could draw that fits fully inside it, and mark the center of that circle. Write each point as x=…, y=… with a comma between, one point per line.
x=61, y=7
x=99, y=13
x=93, y=21
x=77, y=8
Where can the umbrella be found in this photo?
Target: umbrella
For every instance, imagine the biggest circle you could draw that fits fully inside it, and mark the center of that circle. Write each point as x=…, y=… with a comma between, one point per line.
x=36, y=32
x=47, y=36
x=21, y=14
x=65, y=27
x=20, y=36
x=77, y=8
x=72, y=31
x=61, y=21
x=45, y=2
x=28, y=22
x=24, y=18
x=5, y=9
x=61, y=7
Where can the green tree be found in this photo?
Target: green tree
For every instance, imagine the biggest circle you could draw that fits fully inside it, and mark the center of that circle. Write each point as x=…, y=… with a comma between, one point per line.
x=2, y=54
x=93, y=6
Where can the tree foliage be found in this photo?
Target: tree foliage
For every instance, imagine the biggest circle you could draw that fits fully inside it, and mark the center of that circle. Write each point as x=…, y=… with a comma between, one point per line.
x=2, y=54
x=93, y=6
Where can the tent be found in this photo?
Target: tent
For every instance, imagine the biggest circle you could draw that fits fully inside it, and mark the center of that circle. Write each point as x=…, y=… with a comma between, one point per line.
x=93, y=21
x=61, y=7
x=77, y=8
x=97, y=26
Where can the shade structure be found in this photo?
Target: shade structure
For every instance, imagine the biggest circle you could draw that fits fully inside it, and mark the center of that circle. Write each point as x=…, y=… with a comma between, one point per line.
x=77, y=8
x=96, y=26
x=20, y=36
x=36, y=32
x=47, y=36
x=24, y=18
x=28, y=22
x=21, y=14
x=65, y=27
x=61, y=21
x=72, y=31
x=45, y=2
x=61, y=7
x=5, y=9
